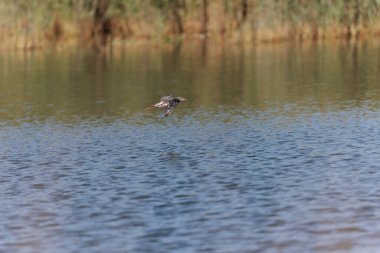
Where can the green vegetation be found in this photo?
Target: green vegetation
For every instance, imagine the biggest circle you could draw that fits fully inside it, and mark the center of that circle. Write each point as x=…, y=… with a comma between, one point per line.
x=37, y=23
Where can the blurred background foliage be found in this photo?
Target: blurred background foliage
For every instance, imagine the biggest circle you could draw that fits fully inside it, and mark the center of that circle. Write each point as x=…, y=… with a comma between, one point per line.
x=31, y=23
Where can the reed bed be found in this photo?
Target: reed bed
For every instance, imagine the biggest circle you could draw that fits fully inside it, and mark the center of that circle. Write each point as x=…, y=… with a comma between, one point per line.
x=40, y=23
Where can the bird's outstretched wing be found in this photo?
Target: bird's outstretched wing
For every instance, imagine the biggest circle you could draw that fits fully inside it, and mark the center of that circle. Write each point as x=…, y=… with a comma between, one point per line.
x=169, y=111
x=166, y=99
x=158, y=105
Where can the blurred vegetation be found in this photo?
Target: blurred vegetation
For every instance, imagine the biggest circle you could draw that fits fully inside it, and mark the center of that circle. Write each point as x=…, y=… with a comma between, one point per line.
x=36, y=23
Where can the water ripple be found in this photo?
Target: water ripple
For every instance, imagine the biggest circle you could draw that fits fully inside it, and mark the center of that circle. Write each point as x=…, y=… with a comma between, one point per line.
x=259, y=183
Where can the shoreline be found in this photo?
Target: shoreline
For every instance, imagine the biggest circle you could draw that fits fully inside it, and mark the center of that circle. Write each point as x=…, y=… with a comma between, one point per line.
x=265, y=37
x=38, y=24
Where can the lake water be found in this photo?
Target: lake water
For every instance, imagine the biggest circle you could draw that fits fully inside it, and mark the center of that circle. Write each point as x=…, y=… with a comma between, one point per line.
x=276, y=150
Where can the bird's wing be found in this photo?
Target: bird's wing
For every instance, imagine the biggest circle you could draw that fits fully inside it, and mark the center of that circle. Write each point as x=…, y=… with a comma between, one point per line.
x=158, y=105
x=162, y=104
x=169, y=111
x=166, y=99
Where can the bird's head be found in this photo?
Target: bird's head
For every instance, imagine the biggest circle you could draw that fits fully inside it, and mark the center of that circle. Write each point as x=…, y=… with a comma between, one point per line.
x=182, y=99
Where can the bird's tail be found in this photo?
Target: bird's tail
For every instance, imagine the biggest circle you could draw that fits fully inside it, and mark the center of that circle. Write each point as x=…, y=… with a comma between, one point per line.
x=149, y=108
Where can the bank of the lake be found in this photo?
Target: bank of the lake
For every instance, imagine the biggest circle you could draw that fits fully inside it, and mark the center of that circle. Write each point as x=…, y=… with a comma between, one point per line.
x=41, y=24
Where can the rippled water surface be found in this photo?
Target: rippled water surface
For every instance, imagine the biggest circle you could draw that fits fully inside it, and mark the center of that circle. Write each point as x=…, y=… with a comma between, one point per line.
x=276, y=150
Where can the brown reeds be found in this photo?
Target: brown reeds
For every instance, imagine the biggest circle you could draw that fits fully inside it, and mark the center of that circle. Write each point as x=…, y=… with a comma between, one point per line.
x=39, y=23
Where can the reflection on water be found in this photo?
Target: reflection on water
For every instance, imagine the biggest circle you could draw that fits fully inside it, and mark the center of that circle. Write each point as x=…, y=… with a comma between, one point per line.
x=65, y=85
x=277, y=150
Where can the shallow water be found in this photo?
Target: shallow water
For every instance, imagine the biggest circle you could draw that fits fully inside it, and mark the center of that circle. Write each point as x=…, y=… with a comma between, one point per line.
x=276, y=150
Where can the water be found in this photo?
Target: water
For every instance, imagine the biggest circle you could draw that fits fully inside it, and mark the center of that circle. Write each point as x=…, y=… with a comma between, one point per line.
x=276, y=150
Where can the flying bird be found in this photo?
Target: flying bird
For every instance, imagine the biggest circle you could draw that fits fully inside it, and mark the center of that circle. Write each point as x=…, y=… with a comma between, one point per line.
x=168, y=103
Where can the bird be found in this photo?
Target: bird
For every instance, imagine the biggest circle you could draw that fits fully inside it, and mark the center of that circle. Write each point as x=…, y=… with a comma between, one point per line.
x=168, y=103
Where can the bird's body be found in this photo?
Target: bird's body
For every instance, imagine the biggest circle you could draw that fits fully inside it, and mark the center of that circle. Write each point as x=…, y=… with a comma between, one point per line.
x=168, y=103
